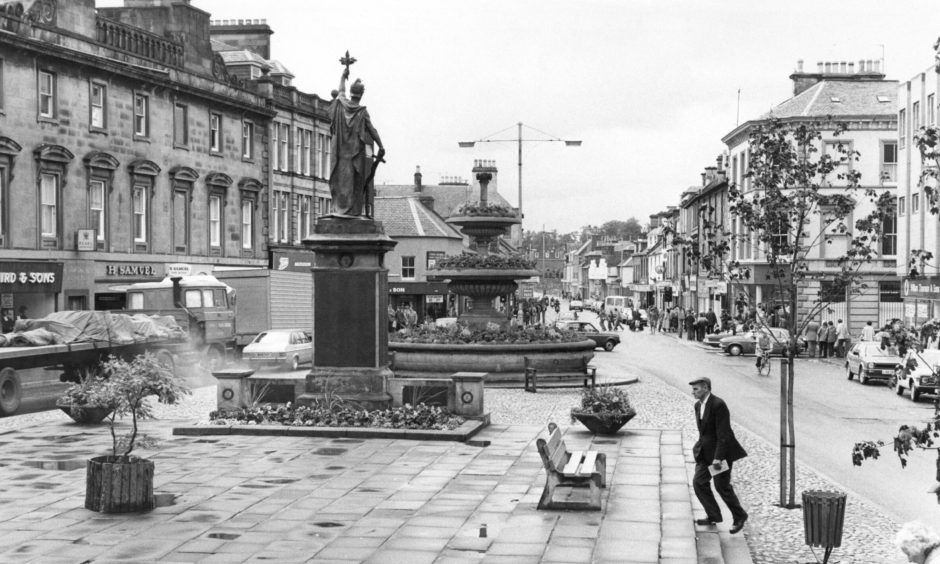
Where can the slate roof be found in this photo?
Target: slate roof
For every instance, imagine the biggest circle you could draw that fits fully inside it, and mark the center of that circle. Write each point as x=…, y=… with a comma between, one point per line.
x=447, y=197
x=278, y=68
x=840, y=98
x=406, y=216
x=242, y=56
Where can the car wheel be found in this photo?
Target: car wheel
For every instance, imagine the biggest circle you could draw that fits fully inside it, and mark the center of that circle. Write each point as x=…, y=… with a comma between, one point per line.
x=295, y=363
x=862, y=377
x=609, y=345
x=11, y=391
x=848, y=371
x=913, y=392
x=734, y=350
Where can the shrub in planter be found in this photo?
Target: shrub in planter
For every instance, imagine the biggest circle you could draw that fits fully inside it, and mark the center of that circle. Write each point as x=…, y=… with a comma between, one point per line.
x=335, y=413
x=84, y=402
x=120, y=482
x=485, y=210
x=492, y=334
x=604, y=409
x=486, y=262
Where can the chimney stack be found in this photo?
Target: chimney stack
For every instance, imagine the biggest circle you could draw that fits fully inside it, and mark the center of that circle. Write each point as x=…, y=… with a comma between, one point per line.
x=418, y=186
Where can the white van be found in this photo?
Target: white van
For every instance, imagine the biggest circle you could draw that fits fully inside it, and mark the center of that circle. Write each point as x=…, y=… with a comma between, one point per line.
x=622, y=305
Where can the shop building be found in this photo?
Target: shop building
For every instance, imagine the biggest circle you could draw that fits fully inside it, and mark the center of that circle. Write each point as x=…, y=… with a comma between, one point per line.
x=125, y=146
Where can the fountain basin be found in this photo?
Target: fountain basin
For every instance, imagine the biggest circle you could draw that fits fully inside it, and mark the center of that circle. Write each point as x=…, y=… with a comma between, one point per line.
x=502, y=363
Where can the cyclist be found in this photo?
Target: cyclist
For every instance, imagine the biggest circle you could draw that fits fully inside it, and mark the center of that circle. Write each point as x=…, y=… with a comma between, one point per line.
x=763, y=346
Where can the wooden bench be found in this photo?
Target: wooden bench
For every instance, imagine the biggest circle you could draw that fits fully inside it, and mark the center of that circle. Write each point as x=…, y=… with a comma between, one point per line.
x=578, y=469
x=557, y=369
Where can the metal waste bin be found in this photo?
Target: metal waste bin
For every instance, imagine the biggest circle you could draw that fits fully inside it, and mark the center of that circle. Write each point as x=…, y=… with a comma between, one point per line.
x=823, y=518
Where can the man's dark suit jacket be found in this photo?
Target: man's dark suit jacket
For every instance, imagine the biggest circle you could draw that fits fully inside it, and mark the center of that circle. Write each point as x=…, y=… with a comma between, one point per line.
x=716, y=439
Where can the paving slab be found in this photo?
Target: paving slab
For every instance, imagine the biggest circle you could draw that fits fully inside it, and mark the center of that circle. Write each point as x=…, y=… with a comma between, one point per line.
x=295, y=498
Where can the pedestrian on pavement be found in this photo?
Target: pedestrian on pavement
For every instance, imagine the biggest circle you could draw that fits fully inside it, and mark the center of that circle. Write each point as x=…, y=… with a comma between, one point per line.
x=674, y=320
x=716, y=447
x=712, y=321
x=831, y=338
x=919, y=543
x=602, y=318
x=868, y=332
x=613, y=320
x=811, y=336
x=701, y=325
x=653, y=316
x=690, y=325
x=842, y=338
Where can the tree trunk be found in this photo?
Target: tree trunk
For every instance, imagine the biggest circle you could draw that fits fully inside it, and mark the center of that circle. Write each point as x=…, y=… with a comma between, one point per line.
x=119, y=487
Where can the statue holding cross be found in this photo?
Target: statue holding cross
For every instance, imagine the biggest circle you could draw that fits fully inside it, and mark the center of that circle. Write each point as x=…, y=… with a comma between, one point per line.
x=352, y=161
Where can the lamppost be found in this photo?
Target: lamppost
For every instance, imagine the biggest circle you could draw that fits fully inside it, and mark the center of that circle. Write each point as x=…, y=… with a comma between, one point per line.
x=518, y=140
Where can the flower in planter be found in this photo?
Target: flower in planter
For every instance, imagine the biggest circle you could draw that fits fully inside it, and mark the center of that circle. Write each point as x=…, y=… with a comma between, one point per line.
x=489, y=262
x=485, y=210
x=492, y=334
x=606, y=402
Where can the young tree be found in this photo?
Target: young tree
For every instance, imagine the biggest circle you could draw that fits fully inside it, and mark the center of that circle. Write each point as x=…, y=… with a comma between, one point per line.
x=789, y=210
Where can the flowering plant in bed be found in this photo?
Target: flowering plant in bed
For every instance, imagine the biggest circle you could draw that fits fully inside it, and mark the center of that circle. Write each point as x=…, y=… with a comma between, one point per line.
x=484, y=262
x=485, y=210
x=492, y=334
x=335, y=413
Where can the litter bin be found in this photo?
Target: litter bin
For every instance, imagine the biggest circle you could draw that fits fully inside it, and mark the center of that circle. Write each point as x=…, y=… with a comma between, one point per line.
x=823, y=518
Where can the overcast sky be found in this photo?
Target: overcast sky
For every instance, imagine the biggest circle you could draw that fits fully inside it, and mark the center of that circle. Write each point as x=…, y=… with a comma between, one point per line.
x=649, y=86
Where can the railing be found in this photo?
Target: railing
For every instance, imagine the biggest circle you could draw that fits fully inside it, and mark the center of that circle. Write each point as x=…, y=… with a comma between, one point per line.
x=139, y=43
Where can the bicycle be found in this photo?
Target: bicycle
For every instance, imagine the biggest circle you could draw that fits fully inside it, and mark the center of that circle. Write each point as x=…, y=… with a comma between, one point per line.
x=763, y=367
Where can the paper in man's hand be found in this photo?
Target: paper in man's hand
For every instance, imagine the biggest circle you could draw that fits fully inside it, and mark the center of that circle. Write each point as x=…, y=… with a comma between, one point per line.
x=718, y=468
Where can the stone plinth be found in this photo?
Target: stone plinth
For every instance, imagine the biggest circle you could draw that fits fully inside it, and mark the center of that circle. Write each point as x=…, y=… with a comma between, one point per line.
x=350, y=306
x=232, y=390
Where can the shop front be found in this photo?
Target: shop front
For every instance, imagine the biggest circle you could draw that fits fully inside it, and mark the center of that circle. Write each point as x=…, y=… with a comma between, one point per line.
x=29, y=289
x=921, y=300
x=429, y=300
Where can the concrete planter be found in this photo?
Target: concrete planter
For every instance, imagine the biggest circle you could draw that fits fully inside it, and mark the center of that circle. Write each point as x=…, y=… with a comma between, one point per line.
x=502, y=363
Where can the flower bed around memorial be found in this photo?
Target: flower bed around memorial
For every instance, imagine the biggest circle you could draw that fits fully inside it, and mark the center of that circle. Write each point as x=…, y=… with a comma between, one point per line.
x=458, y=334
x=421, y=416
x=488, y=262
x=474, y=209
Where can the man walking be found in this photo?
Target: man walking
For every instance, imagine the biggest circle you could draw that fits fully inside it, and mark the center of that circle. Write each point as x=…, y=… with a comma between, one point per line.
x=811, y=336
x=842, y=338
x=868, y=332
x=715, y=448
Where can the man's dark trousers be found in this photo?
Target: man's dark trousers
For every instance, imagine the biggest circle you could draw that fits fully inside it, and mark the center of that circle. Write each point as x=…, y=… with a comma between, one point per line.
x=703, y=490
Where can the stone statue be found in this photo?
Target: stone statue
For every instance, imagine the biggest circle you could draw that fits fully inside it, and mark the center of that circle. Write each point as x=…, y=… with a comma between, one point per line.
x=352, y=163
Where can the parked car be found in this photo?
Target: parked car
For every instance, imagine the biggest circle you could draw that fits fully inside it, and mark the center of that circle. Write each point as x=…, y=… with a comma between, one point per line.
x=576, y=305
x=746, y=343
x=871, y=362
x=917, y=380
x=714, y=339
x=604, y=339
x=288, y=348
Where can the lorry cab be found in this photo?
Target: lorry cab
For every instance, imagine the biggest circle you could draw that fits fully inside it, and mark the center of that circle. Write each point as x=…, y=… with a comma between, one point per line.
x=200, y=303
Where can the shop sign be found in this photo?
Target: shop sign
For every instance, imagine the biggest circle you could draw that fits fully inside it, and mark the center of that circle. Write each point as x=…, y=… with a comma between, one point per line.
x=434, y=299
x=396, y=289
x=179, y=269
x=30, y=277
x=297, y=261
x=6, y=301
x=85, y=240
x=528, y=293
x=926, y=288
x=131, y=270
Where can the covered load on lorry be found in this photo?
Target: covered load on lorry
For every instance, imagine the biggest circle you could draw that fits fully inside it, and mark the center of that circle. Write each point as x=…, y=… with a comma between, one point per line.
x=73, y=343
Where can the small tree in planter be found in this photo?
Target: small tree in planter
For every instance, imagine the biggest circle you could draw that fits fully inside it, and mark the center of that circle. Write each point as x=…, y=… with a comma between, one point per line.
x=122, y=483
x=603, y=410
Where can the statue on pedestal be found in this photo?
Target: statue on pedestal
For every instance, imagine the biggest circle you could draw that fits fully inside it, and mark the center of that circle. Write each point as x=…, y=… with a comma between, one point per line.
x=352, y=162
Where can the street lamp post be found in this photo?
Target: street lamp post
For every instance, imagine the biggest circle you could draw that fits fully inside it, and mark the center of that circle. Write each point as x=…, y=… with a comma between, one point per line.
x=518, y=140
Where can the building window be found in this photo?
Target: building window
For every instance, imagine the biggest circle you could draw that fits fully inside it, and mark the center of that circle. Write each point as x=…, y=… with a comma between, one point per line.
x=248, y=140
x=281, y=216
x=47, y=94
x=215, y=221
x=889, y=162
x=98, y=107
x=841, y=162
x=931, y=110
x=96, y=203
x=140, y=214
x=215, y=132
x=275, y=145
x=832, y=291
x=284, y=163
x=306, y=152
x=247, y=223
x=890, y=292
x=2, y=89
x=915, y=117
x=180, y=125
x=181, y=221
x=915, y=203
x=141, y=115
x=902, y=128
x=902, y=206
x=889, y=234
x=304, y=223
x=407, y=267
x=433, y=257
x=48, y=204
x=324, y=152
x=298, y=143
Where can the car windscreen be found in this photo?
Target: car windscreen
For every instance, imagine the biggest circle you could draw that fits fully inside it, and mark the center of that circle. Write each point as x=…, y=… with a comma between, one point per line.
x=874, y=349
x=272, y=338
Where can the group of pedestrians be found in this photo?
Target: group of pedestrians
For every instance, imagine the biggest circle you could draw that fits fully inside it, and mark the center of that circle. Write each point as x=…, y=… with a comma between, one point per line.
x=828, y=338
x=609, y=319
x=689, y=323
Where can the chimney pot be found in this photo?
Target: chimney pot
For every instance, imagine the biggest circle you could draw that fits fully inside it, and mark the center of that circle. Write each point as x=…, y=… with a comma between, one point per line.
x=861, y=65
x=819, y=68
x=851, y=68
x=827, y=67
x=799, y=65
x=878, y=65
x=843, y=67
x=870, y=65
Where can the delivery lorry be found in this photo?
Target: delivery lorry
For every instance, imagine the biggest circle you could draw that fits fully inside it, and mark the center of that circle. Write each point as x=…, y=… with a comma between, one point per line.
x=269, y=299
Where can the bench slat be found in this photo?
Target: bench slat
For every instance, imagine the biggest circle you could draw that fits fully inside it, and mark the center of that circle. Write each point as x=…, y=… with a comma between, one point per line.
x=573, y=463
x=559, y=456
x=590, y=458
x=554, y=441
